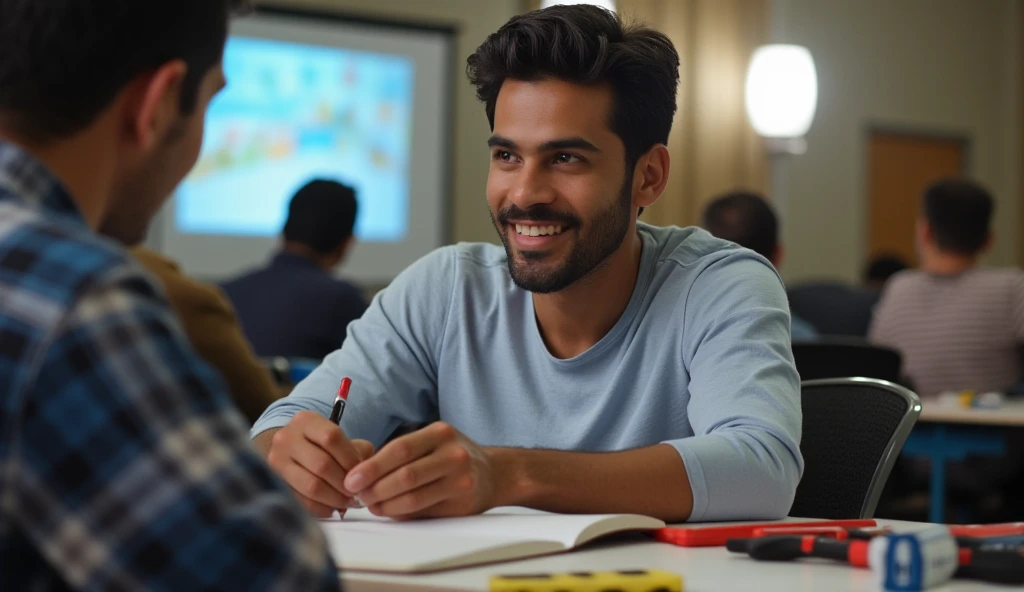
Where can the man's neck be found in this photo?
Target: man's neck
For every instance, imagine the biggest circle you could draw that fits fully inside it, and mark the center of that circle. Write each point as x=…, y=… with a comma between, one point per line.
x=575, y=319
x=305, y=252
x=85, y=172
x=939, y=263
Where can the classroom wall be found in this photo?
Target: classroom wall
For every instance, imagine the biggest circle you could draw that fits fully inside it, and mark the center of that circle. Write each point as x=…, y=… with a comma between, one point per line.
x=950, y=66
x=474, y=19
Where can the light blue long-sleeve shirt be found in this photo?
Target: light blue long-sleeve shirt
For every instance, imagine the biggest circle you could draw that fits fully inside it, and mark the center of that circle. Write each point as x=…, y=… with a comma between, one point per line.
x=700, y=359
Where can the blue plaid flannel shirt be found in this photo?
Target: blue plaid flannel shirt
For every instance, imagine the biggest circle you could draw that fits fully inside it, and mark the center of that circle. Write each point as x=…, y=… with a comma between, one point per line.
x=123, y=465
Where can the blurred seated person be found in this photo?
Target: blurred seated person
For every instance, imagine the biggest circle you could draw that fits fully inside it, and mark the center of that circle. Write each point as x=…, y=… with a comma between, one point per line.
x=213, y=330
x=294, y=307
x=837, y=308
x=958, y=326
x=748, y=220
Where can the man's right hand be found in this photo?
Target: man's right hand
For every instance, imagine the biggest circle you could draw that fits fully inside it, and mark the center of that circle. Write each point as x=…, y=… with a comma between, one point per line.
x=313, y=456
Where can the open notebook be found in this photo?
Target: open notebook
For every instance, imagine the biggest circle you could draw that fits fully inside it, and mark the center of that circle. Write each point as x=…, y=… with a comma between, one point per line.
x=364, y=542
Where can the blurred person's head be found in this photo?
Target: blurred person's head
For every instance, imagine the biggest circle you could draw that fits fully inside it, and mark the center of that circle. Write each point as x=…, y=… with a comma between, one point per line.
x=881, y=268
x=111, y=96
x=953, y=230
x=580, y=107
x=321, y=222
x=747, y=219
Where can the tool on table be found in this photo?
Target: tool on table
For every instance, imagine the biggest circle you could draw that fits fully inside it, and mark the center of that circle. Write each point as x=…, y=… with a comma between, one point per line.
x=904, y=562
x=987, y=530
x=716, y=536
x=914, y=561
x=641, y=580
x=784, y=547
x=836, y=532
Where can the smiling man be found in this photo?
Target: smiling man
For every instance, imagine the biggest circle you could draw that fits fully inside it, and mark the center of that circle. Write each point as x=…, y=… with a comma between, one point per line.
x=595, y=363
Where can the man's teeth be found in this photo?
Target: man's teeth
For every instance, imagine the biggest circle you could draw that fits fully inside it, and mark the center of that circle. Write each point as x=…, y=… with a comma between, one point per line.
x=529, y=230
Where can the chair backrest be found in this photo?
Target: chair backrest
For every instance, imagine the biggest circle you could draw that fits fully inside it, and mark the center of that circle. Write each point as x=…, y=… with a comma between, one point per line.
x=841, y=358
x=834, y=308
x=853, y=430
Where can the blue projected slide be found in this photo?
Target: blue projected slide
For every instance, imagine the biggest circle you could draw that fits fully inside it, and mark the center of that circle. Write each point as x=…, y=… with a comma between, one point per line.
x=294, y=112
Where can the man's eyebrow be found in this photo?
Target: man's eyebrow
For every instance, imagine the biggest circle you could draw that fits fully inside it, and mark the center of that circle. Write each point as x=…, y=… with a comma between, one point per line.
x=497, y=141
x=575, y=143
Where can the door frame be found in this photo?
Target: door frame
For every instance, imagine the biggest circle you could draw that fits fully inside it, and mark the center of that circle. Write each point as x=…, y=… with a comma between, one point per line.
x=923, y=132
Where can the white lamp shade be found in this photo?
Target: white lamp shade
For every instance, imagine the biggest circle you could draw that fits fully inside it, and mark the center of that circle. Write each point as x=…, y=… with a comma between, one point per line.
x=606, y=4
x=782, y=91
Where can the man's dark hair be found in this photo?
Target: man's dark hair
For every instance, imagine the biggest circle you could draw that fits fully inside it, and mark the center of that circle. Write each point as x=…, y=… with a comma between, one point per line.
x=746, y=219
x=62, y=62
x=883, y=267
x=587, y=45
x=959, y=212
x=322, y=215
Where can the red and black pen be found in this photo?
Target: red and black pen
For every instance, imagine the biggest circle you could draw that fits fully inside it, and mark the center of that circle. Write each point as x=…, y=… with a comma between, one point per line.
x=340, y=400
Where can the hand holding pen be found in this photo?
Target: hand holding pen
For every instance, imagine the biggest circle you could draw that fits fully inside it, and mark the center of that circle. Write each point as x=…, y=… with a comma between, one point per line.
x=313, y=455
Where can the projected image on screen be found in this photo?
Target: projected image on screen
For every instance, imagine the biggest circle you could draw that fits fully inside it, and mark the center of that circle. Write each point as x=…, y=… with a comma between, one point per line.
x=292, y=113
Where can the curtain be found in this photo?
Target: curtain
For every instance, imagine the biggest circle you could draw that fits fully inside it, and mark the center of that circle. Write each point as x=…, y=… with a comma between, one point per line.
x=712, y=145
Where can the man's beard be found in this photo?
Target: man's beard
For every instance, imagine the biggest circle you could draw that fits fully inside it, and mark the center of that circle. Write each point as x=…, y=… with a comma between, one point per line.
x=593, y=246
x=140, y=196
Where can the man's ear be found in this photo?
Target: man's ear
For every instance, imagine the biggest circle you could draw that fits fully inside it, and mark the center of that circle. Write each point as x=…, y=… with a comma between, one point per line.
x=924, y=231
x=990, y=238
x=346, y=247
x=154, y=103
x=650, y=176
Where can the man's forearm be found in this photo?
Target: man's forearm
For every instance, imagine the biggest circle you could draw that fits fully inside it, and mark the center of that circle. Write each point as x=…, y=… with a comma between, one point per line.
x=650, y=481
x=264, y=441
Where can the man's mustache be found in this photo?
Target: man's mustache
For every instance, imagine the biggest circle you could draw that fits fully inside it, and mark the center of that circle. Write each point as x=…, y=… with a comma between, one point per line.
x=537, y=213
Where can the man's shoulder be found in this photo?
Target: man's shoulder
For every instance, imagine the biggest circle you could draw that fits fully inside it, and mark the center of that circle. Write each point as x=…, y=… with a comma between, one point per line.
x=479, y=269
x=912, y=281
x=692, y=250
x=186, y=293
x=1003, y=276
x=53, y=260
x=464, y=262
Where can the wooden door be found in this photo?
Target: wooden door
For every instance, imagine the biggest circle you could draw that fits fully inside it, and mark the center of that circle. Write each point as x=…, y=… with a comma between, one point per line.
x=900, y=167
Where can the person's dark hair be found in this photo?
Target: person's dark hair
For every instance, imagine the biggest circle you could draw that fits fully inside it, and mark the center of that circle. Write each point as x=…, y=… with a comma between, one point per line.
x=587, y=45
x=746, y=219
x=959, y=213
x=62, y=62
x=322, y=215
x=883, y=267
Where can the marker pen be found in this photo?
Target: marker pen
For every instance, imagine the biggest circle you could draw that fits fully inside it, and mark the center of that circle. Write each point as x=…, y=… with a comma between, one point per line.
x=341, y=400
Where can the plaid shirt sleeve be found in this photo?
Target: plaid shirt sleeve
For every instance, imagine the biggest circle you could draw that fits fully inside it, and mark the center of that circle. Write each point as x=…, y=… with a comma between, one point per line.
x=132, y=471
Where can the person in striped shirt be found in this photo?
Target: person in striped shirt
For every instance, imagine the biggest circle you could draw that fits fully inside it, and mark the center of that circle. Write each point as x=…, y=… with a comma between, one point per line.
x=957, y=325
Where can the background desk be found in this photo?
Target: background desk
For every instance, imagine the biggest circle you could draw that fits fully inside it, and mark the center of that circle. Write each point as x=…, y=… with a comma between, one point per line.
x=949, y=432
x=1011, y=414
x=703, y=569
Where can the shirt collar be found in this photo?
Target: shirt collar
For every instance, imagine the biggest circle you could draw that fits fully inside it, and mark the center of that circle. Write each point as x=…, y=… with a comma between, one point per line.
x=24, y=178
x=285, y=259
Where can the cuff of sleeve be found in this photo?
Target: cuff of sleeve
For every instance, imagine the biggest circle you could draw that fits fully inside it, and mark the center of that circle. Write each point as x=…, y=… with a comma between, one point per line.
x=269, y=422
x=695, y=474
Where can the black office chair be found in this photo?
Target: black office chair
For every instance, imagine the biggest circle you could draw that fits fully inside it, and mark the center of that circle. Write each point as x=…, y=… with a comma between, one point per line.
x=853, y=430
x=833, y=307
x=838, y=357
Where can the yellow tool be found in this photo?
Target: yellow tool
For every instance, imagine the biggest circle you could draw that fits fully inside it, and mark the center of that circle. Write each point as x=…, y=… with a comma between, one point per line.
x=599, y=581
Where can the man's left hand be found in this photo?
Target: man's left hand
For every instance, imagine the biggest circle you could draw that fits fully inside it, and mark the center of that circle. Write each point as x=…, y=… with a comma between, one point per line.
x=436, y=471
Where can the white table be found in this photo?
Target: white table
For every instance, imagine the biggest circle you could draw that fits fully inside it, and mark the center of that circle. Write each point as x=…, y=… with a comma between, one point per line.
x=1010, y=414
x=948, y=432
x=710, y=569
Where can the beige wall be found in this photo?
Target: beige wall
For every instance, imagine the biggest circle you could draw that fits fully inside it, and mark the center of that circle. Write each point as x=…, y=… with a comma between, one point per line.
x=943, y=65
x=474, y=19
